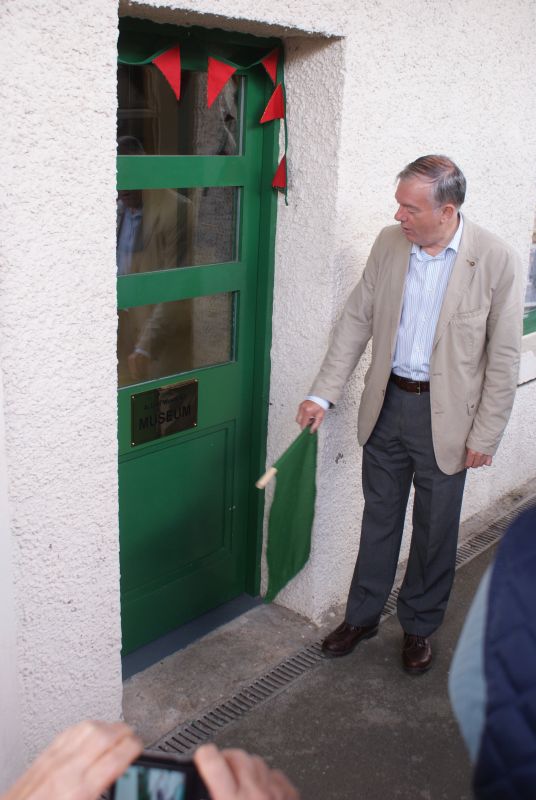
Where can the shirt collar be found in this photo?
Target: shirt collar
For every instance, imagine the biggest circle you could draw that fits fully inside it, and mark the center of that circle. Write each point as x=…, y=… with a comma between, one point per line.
x=452, y=245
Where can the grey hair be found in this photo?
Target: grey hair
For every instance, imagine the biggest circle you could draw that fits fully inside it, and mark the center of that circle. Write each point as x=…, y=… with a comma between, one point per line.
x=449, y=184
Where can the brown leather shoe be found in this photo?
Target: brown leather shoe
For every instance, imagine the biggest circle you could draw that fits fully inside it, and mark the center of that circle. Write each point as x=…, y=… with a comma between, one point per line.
x=416, y=654
x=343, y=639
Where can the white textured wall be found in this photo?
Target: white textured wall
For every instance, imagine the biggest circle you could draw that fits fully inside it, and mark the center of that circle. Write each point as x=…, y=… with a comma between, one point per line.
x=57, y=335
x=11, y=740
x=394, y=84
x=401, y=100
x=398, y=82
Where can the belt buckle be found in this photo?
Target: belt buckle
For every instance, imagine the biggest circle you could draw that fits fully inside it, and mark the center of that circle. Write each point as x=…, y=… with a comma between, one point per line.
x=418, y=389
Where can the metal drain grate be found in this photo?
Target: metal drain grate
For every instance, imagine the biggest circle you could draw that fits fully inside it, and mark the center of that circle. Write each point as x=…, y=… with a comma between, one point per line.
x=390, y=606
x=486, y=538
x=190, y=735
x=471, y=548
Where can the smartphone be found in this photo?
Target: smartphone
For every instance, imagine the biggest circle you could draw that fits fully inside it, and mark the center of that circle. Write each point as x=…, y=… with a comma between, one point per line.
x=156, y=777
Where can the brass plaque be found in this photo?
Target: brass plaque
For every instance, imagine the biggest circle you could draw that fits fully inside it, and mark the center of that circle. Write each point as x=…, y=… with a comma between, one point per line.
x=161, y=412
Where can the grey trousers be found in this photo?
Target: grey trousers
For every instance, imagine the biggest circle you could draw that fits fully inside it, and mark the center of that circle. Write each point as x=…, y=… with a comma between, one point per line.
x=398, y=452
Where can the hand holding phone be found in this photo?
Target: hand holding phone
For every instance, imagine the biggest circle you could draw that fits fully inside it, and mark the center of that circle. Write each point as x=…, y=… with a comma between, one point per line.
x=83, y=760
x=213, y=775
x=157, y=777
x=237, y=775
x=79, y=764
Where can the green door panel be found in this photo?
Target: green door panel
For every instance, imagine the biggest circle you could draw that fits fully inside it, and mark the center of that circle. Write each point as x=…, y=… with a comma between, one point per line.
x=162, y=172
x=190, y=517
x=150, y=287
x=173, y=532
x=170, y=485
x=218, y=399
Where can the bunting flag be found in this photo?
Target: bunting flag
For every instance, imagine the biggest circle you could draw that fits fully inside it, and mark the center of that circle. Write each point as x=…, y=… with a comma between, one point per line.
x=218, y=74
x=270, y=62
x=276, y=106
x=169, y=64
x=168, y=61
x=280, y=177
x=292, y=513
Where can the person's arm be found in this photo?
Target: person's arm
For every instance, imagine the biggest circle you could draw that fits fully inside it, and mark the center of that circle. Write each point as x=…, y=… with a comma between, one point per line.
x=474, y=459
x=171, y=232
x=503, y=347
x=351, y=333
x=311, y=412
x=237, y=775
x=348, y=341
x=79, y=764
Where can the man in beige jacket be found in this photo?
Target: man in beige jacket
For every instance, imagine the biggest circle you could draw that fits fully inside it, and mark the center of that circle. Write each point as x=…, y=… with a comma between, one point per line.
x=441, y=299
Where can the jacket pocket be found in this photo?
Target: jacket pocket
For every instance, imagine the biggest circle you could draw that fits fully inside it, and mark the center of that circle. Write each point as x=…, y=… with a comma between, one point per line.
x=472, y=406
x=473, y=312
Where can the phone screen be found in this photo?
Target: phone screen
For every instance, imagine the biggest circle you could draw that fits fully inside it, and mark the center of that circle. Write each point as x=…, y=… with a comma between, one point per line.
x=141, y=782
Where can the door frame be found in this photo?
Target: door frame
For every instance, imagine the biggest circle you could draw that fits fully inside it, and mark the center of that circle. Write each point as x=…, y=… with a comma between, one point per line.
x=265, y=273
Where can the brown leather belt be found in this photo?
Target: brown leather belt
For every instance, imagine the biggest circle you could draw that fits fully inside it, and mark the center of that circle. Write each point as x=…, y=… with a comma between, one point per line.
x=416, y=387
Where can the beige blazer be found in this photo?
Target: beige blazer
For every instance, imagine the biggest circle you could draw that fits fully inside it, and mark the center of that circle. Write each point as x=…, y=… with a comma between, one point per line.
x=475, y=356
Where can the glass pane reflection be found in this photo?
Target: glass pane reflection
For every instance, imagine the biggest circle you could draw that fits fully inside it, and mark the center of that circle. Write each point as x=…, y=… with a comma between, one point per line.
x=155, y=341
x=149, y=111
x=167, y=228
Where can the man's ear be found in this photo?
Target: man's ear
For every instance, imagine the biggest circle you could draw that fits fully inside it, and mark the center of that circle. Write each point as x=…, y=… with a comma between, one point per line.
x=448, y=212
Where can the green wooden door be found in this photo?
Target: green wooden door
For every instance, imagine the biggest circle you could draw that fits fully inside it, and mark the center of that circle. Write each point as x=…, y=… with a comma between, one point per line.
x=195, y=234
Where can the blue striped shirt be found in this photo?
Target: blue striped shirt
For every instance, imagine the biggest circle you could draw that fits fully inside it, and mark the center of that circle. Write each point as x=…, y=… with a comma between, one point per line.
x=426, y=284
x=424, y=291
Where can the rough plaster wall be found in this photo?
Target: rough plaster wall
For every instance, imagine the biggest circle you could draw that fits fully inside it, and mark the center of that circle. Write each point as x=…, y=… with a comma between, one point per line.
x=308, y=280
x=11, y=744
x=398, y=104
x=58, y=334
x=401, y=82
x=277, y=18
x=358, y=110
x=515, y=462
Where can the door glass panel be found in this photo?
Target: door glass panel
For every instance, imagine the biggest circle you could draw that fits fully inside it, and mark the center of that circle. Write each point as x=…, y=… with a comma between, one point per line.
x=149, y=113
x=155, y=341
x=167, y=228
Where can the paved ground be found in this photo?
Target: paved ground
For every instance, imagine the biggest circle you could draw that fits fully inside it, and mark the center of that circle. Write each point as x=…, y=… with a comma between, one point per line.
x=351, y=728
x=360, y=727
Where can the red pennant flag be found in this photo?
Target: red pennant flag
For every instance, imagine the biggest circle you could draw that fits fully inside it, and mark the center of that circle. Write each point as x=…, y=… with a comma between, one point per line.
x=169, y=64
x=280, y=177
x=269, y=63
x=276, y=106
x=218, y=75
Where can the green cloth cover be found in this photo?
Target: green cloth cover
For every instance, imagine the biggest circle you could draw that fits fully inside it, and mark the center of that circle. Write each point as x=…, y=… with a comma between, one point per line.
x=292, y=512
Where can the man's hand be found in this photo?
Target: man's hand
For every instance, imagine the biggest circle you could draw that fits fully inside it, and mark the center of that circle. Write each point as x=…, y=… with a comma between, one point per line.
x=79, y=764
x=310, y=413
x=475, y=459
x=236, y=775
x=138, y=365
